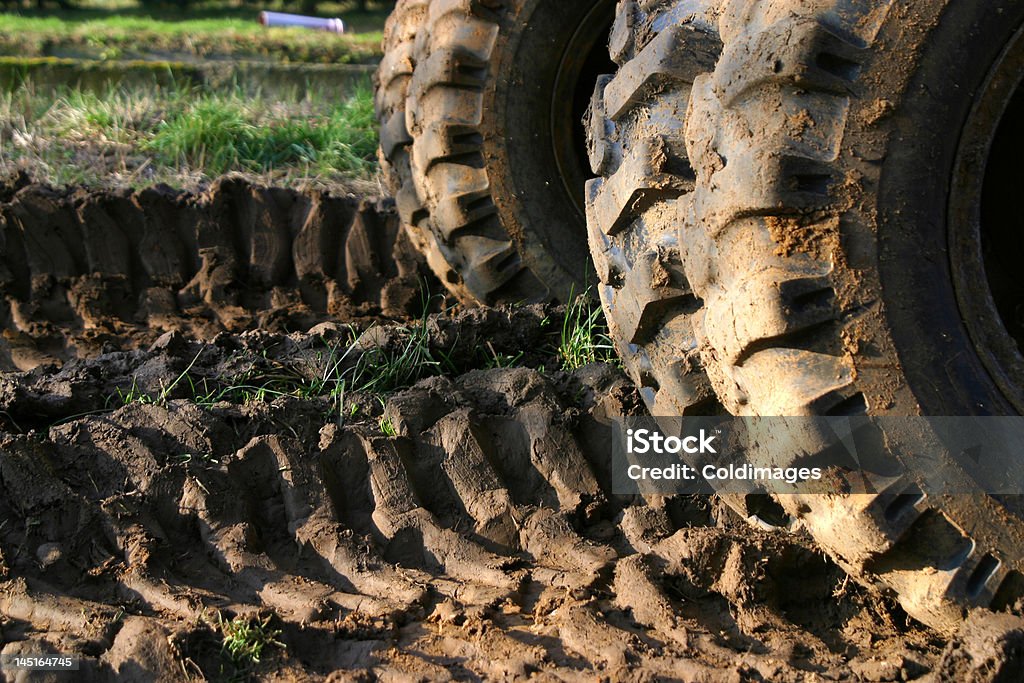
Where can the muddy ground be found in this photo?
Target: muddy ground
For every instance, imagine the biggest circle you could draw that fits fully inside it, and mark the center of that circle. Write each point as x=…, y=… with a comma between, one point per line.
x=85, y=271
x=196, y=433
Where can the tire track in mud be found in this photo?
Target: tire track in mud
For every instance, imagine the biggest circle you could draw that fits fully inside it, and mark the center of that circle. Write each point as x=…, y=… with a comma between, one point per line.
x=85, y=270
x=151, y=481
x=480, y=540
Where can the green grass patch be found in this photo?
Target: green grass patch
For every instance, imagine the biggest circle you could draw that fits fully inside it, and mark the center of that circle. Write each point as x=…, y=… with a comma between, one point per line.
x=220, y=134
x=386, y=424
x=585, y=337
x=246, y=639
x=182, y=136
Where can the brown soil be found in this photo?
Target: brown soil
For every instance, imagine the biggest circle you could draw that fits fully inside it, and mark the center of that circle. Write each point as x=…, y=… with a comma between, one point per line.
x=479, y=541
x=85, y=271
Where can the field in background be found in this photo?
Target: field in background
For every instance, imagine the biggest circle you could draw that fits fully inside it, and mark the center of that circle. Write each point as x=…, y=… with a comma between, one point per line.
x=116, y=29
x=114, y=94
x=134, y=137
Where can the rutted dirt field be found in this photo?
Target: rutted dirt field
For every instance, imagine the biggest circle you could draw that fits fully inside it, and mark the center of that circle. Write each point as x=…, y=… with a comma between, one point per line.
x=180, y=456
x=83, y=271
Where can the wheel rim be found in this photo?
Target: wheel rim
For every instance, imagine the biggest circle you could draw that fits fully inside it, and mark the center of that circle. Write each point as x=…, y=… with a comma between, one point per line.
x=987, y=223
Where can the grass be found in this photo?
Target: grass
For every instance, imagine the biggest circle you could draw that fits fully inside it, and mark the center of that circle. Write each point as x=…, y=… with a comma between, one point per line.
x=136, y=395
x=182, y=136
x=246, y=639
x=585, y=337
x=265, y=380
x=225, y=133
x=383, y=369
x=352, y=368
x=244, y=642
x=116, y=30
x=495, y=359
x=341, y=368
x=345, y=366
x=164, y=123
x=387, y=426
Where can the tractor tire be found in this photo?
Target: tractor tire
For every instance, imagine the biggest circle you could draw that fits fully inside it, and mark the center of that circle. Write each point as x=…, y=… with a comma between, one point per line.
x=392, y=87
x=823, y=226
x=637, y=147
x=488, y=163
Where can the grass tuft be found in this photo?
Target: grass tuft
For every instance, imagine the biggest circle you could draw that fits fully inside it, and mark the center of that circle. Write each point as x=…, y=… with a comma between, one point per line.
x=387, y=427
x=585, y=338
x=245, y=639
x=383, y=369
x=494, y=359
x=136, y=395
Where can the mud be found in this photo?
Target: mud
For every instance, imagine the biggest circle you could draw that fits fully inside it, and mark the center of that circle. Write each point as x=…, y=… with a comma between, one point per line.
x=82, y=271
x=199, y=441
x=479, y=541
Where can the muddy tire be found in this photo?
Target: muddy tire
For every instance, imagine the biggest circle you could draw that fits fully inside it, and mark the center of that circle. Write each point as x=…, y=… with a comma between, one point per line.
x=814, y=251
x=637, y=146
x=395, y=152
x=488, y=170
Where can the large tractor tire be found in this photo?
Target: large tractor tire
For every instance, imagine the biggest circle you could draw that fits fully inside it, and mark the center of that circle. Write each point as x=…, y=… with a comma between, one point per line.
x=392, y=88
x=480, y=103
x=837, y=237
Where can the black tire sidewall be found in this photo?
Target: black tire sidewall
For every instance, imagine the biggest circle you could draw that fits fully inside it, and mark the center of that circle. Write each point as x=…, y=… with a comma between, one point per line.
x=939, y=360
x=518, y=110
